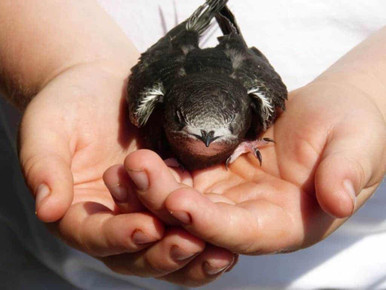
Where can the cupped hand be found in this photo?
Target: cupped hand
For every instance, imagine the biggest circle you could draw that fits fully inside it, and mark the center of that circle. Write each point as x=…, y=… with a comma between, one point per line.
x=329, y=157
x=73, y=130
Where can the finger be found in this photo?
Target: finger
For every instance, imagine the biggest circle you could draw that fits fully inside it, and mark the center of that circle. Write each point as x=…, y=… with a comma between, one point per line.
x=253, y=227
x=121, y=188
x=45, y=159
x=351, y=162
x=153, y=181
x=123, y=191
x=94, y=229
x=174, y=251
x=207, y=267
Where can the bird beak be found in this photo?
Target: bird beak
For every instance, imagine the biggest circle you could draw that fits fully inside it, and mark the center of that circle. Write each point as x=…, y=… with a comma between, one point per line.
x=207, y=141
x=207, y=138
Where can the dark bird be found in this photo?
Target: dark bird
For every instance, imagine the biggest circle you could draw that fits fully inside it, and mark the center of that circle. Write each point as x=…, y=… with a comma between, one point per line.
x=206, y=105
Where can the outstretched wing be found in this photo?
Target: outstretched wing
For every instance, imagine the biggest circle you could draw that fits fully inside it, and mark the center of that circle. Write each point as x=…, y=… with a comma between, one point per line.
x=253, y=70
x=163, y=63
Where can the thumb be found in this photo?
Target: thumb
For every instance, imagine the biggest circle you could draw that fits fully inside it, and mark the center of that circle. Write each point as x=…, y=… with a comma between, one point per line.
x=46, y=164
x=350, y=169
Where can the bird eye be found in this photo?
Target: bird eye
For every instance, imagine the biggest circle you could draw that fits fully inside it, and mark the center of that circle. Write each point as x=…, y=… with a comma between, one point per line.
x=231, y=129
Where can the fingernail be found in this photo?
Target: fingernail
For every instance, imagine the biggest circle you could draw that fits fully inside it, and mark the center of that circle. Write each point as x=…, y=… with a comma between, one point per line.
x=211, y=270
x=140, y=238
x=182, y=216
x=180, y=255
x=234, y=262
x=139, y=178
x=119, y=193
x=42, y=192
x=350, y=190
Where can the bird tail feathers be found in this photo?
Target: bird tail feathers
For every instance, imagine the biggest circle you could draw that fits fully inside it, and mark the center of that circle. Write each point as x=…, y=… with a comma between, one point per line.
x=227, y=22
x=201, y=18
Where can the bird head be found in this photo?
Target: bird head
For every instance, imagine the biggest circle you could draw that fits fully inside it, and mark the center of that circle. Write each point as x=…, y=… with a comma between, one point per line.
x=210, y=109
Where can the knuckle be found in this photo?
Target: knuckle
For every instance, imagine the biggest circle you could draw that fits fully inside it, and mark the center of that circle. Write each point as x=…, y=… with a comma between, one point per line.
x=359, y=169
x=29, y=167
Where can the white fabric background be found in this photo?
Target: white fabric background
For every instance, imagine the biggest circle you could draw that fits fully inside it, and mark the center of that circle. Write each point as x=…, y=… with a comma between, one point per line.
x=301, y=39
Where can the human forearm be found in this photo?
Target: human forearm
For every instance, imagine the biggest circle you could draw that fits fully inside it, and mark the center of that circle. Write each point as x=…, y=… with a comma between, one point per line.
x=39, y=39
x=364, y=68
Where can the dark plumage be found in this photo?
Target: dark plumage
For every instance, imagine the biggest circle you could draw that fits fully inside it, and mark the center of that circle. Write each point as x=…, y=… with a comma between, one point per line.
x=204, y=102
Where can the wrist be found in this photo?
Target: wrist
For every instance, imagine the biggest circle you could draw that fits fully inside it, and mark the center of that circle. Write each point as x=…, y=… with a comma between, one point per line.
x=363, y=68
x=43, y=39
x=21, y=93
x=361, y=83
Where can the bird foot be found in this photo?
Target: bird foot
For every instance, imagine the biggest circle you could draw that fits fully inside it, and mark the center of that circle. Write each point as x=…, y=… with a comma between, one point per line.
x=246, y=147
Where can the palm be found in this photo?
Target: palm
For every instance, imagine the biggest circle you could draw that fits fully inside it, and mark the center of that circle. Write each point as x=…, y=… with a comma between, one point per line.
x=100, y=136
x=99, y=146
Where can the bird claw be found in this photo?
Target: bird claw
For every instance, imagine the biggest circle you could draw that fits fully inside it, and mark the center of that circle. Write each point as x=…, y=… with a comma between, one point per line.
x=269, y=140
x=246, y=147
x=258, y=155
x=227, y=162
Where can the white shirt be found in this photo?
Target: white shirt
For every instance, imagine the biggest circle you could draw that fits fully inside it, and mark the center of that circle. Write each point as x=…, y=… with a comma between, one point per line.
x=301, y=39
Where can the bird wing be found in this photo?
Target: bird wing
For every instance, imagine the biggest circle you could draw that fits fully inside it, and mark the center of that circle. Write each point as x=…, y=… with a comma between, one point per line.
x=262, y=83
x=156, y=69
x=163, y=63
x=253, y=70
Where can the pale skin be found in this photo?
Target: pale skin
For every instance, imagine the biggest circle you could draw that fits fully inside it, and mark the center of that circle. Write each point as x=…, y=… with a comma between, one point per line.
x=328, y=159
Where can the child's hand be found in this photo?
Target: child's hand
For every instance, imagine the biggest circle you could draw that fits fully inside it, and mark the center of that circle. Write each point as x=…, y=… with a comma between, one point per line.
x=73, y=130
x=328, y=159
